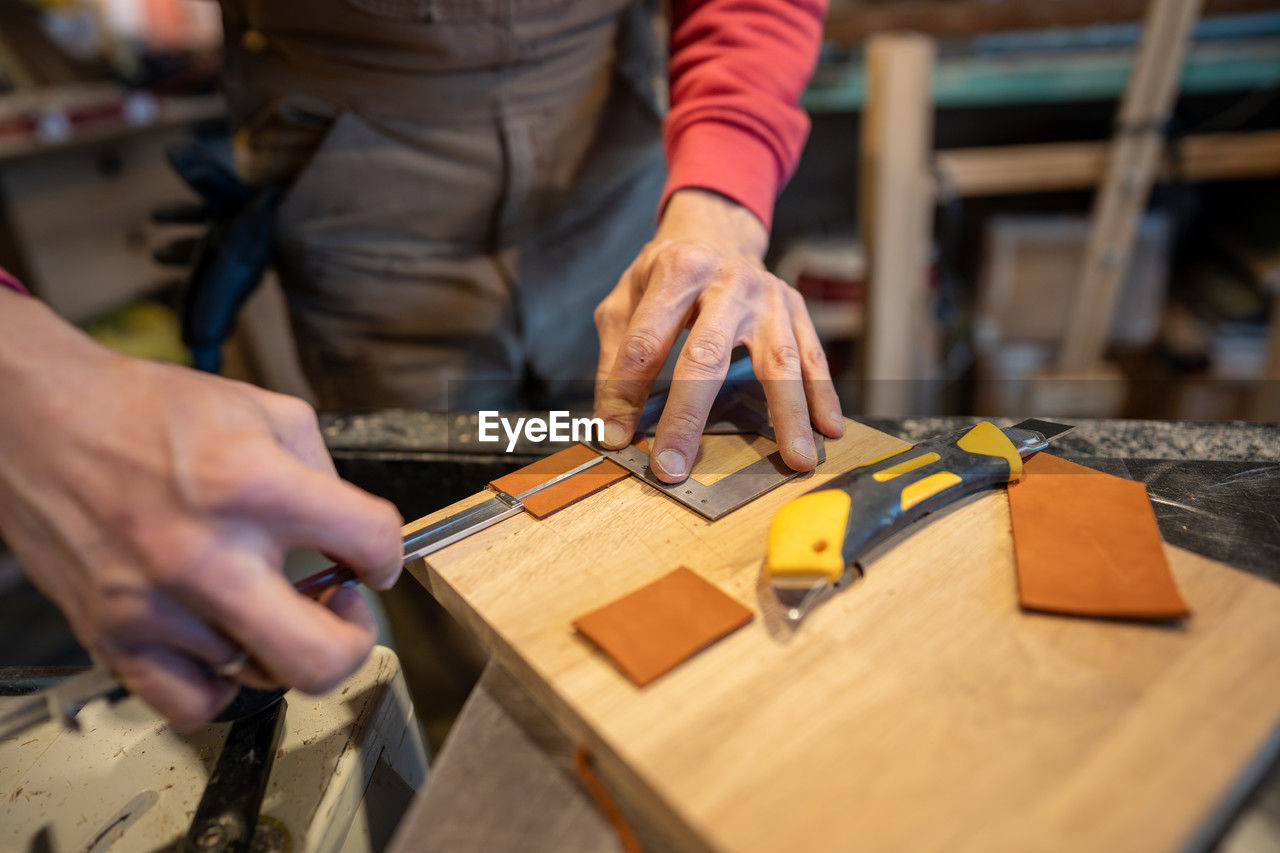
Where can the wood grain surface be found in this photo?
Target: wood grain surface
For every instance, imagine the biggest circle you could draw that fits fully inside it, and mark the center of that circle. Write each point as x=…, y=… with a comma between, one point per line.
x=920, y=709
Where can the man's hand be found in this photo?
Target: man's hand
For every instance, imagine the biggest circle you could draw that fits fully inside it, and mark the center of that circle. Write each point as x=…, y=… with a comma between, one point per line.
x=704, y=271
x=155, y=506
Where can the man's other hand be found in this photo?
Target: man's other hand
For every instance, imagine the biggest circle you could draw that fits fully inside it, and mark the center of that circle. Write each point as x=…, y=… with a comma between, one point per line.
x=704, y=271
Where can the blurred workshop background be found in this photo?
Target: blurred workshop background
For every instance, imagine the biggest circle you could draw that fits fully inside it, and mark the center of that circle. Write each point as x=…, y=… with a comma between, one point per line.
x=983, y=267
x=1006, y=207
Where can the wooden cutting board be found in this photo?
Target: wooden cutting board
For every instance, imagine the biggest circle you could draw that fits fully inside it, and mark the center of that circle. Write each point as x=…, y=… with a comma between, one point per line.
x=920, y=709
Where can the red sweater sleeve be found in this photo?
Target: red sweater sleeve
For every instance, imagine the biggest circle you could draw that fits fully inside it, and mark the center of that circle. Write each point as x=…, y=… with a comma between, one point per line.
x=737, y=70
x=7, y=280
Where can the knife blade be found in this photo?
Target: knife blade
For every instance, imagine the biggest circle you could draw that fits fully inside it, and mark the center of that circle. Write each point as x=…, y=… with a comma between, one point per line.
x=816, y=541
x=440, y=534
x=462, y=524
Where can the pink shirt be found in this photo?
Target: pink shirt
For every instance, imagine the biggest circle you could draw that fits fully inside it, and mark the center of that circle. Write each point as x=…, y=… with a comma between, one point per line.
x=7, y=280
x=737, y=70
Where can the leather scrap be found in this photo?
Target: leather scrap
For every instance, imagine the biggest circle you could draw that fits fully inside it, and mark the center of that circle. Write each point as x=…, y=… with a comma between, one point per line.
x=626, y=835
x=1087, y=544
x=651, y=631
x=560, y=495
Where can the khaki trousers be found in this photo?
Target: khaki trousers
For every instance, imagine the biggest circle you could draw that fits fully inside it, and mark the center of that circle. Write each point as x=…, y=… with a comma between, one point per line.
x=467, y=180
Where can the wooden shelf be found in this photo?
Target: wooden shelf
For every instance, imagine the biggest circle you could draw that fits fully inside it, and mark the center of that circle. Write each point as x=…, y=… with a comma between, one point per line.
x=1084, y=75
x=1011, y=169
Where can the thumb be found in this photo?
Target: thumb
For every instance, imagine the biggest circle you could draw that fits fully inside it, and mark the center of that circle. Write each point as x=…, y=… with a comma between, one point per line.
x=346, y=523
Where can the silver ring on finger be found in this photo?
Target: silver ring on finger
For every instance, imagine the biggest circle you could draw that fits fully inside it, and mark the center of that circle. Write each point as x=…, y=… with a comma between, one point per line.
x=233, y=667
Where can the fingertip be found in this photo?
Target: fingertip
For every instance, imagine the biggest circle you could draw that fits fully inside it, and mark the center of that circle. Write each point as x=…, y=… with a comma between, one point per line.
x=670, y=465
x=175, y=686
x=220, y=694
x=833, y=424
x=349, y=605
x=619, y=403
x=616, y=434
x=386, y=580
x=386, y=549
x=800, y=454
x=255, y=676
x=824, y=408
x=367, y=537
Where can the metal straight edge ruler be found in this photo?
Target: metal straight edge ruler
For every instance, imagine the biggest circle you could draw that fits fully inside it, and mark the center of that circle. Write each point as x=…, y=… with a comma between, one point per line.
x=740, y=408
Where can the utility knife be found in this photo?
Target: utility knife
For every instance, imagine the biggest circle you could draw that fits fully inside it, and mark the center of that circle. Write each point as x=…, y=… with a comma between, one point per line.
x=817, y=541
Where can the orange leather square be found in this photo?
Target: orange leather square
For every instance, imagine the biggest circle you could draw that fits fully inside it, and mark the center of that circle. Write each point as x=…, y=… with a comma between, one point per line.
x=560, y=495
x=653, y=630
x=1087, y=544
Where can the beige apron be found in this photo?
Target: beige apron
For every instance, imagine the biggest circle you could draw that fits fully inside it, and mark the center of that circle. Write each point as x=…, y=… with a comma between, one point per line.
x=467, y=180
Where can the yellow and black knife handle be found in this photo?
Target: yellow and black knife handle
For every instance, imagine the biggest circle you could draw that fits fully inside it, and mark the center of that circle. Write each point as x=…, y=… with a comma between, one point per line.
x=824, y=531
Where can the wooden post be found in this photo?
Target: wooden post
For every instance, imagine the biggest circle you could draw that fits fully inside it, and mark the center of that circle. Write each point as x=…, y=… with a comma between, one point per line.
x=1266, y=404
x=1131, y=167
x=895, y=211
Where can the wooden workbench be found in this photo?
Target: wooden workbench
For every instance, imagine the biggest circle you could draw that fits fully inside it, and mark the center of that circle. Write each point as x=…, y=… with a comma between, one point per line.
x=502, y=773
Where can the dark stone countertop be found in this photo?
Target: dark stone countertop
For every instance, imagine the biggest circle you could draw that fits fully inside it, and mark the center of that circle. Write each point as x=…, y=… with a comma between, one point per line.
x=1128, y=439
x=1215, y=487
x=402, y=431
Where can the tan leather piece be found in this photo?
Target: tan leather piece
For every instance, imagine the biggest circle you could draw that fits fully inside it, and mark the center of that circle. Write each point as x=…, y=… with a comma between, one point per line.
x=1087, y=544
x=653, y=630
x=1045, y=463
x=560, y=495
x=626, y=835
